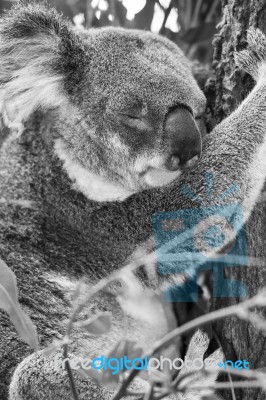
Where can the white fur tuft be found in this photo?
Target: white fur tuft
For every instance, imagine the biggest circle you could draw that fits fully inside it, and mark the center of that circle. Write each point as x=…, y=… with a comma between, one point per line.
x=93, y=186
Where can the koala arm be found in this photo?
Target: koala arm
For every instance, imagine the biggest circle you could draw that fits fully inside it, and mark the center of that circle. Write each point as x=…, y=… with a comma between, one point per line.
x=235, y=150
x=233, y=159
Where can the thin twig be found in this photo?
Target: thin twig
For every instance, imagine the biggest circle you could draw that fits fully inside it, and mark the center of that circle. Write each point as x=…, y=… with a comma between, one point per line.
x=212, y=10
x=159, y=4
x=115, y=21
x=226, y=385
x=89, y=13
x=69, y=372
x=132, y=393
x=228, y=372
x=188, y=13
x=195, y=19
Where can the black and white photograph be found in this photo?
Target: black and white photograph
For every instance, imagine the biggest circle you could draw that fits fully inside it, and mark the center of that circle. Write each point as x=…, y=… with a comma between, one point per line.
x=132, y=199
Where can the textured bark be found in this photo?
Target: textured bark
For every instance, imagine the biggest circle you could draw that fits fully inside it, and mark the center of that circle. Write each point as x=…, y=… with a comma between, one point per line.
x=239, y=339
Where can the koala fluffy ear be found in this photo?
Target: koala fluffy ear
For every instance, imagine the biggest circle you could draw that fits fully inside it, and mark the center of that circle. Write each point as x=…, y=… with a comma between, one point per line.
x=41, y=61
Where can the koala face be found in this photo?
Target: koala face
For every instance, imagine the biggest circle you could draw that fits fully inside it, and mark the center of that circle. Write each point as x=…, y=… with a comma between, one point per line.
x=126, y=102
x=139, y=102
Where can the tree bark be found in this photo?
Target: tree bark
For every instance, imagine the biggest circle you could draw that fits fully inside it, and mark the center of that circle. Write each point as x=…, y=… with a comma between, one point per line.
x=240, y=340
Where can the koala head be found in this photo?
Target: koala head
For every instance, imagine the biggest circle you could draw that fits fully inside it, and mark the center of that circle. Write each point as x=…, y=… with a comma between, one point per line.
x=124, y=102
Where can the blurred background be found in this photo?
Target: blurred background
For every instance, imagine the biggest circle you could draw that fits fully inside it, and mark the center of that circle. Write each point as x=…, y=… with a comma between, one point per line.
x=189, y=23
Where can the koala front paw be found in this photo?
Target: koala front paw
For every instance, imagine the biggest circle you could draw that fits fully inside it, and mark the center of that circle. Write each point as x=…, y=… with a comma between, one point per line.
x=253, y=59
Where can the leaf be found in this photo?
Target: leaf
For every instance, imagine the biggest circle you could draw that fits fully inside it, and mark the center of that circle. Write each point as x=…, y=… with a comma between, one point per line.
x=91, y=373
x=127, y=348
x=149, y=394
x=157, y=376
x=9, y=303
x=111, y=380
x=53, y=347
x=199, y=33
x=98, y=325
x=119, y=351
x=8, y=280
x=133, y=350
x=139, y=303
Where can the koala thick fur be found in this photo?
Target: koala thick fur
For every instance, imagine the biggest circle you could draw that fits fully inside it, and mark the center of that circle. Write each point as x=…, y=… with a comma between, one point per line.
x=110, y=123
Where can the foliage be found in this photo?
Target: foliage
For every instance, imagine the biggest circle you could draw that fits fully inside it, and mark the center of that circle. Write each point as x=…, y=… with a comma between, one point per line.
x=196, y=19
x=9, y=303
x=161, y=384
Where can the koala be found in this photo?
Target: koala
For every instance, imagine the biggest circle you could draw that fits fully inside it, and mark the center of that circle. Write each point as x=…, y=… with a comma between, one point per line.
x=109, y=148
x=104, y=134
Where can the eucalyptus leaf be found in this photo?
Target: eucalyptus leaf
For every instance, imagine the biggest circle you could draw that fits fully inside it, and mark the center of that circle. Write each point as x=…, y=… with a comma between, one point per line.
x=91, y=373
x=212, y=397
x=9, y=303
x=53, y=347
x=98, y=325
x=149, y=395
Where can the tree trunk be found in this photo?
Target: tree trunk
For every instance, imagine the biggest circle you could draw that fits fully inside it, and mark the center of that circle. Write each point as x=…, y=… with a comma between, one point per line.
x=240, y=340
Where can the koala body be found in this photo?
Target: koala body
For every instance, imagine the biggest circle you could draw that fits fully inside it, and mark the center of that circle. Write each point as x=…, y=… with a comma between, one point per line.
x=110, y=125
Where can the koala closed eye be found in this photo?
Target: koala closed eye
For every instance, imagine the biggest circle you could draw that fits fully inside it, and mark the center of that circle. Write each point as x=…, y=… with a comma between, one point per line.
x=136, y=121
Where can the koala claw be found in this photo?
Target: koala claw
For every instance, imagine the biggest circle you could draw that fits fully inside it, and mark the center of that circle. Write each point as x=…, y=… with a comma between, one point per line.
x=252, y=60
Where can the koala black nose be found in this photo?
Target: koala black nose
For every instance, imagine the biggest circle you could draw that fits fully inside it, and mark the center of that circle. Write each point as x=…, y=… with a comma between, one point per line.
x=183, y=139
